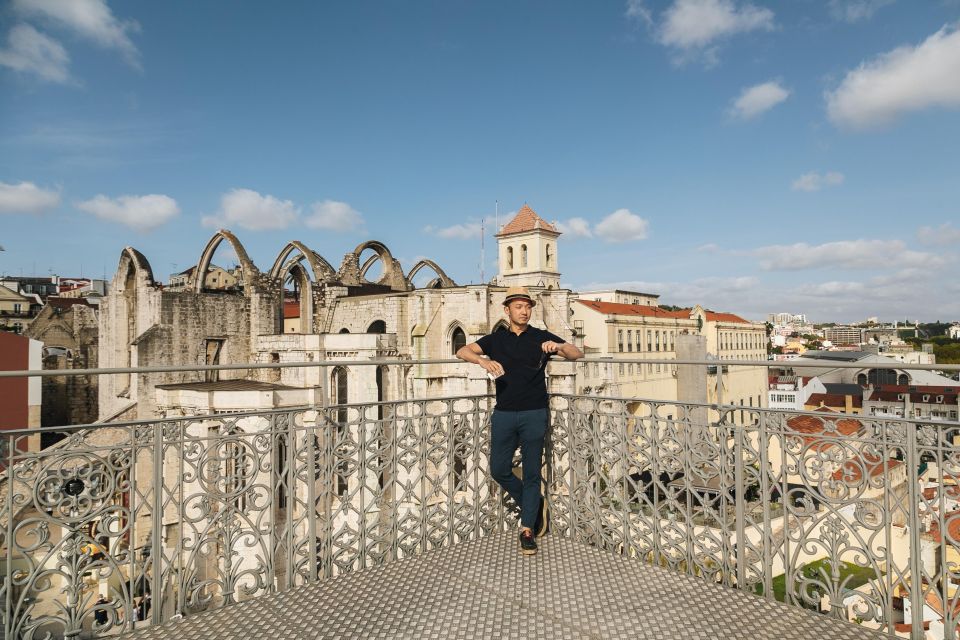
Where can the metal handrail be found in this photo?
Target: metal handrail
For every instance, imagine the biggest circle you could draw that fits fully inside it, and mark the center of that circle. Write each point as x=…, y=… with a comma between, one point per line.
x=770, y=364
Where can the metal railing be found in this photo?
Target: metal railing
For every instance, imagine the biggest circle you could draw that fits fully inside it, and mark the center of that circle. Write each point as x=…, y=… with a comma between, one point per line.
x=856, y=516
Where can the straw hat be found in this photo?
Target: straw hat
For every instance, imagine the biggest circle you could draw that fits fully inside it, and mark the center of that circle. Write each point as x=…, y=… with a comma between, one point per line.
x=518, y=293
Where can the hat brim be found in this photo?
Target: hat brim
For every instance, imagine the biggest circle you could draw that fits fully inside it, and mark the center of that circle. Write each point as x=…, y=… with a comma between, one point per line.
x=509, y=299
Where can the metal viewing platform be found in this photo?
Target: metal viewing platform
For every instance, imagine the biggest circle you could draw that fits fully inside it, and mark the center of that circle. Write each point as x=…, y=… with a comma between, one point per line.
x=486, y=589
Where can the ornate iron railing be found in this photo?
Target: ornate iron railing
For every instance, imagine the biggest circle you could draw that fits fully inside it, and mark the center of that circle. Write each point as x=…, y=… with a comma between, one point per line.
x=857, y=516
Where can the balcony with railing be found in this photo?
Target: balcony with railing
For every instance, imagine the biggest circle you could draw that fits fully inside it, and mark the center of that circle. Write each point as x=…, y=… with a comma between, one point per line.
x=380, y=519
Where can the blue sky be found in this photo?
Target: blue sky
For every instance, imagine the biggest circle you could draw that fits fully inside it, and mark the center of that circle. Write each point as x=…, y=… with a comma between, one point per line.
x=754, y=157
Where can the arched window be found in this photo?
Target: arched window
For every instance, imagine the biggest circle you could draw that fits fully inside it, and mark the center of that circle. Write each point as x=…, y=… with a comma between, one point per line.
x=903, y=379
x=862, y=379
x=344, y=330
x=458, y=340
x=881, y=376
x=377, y=326
x=523, y=255
x=549, y=255
x=509, y=257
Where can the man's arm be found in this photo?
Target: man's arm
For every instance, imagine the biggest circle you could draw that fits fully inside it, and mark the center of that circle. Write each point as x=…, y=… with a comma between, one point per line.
x=567, y=350
x=473, y=354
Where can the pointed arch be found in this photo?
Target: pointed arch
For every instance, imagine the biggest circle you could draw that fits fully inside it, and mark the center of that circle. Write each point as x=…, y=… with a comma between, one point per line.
x=457, y=336
x=131, y=259
x=299, y=274
x=322, y=270
x=350, y=273
x=250, y=271
x=368, y=264
x=445, y=280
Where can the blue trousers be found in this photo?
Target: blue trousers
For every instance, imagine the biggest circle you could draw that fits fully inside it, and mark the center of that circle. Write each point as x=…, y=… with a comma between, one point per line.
x=525, y=429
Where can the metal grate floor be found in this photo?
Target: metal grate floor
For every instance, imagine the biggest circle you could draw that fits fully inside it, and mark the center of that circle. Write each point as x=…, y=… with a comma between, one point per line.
x=486, y=589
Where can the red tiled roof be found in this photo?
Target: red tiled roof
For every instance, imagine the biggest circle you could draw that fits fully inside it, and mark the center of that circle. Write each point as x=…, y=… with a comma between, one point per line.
x=66, y=303
x=951, y=491
x=948, y=397
x=291, y=309
x=903, y=388
x=834, y=400
x=621, y=309
x=526, y=220
x=725, y=317
x=952, y=520
x=851, y=471
x=890, y=393
x=814, y=429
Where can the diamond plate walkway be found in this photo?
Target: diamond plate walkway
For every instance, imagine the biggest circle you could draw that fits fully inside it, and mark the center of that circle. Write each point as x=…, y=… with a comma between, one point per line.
x=486, y=589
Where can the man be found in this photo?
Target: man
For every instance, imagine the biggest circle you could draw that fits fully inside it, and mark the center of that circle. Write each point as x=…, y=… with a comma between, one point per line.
x=517, y=360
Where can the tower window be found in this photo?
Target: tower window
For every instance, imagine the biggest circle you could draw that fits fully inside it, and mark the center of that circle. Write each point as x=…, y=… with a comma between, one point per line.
x=523, y=255
x=509, y=257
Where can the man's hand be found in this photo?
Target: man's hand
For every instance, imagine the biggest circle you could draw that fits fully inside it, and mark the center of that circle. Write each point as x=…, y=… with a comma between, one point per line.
x=550, y=347
x=565, y=349
x=493, y=367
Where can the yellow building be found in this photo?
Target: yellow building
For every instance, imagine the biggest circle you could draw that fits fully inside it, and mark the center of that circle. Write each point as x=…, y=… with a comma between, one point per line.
x=642, y=332
x=15, y=312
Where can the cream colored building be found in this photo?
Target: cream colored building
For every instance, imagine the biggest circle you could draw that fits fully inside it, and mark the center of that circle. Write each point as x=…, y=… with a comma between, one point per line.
x=216, y=278
x=528, y=252
x=14, y=310
x=642, y=333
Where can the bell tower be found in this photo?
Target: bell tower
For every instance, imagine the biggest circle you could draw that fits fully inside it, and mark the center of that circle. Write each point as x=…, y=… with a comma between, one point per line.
x=527, y=248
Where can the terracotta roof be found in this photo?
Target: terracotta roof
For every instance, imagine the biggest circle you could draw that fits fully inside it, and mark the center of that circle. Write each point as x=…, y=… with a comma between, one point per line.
x=621, y=309
x=725, y=317
x=834, y=400
x=823, y=430
x=291, y=309
x=950, y=491
x=526, y=220
x=947, y=395
x=903, y=388
x=66, y=303
x=952, y=520
x=851, y=471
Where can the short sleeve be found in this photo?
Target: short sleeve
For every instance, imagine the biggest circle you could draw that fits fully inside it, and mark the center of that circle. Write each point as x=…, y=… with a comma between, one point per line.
x=551, y=337
x=486, y=344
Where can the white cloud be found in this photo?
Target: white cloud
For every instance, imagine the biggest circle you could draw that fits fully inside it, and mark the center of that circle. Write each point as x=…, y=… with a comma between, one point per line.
x=27, y=197
x=455, y=232
x=143, y=213
x=637, y=10
x=91, y=19
x=944, y=234
x=30, y=51
x=846, y=254
x=248, y=209
x=575, y=228
x=901, y=81
x=814, y=181
x=334, y=216
x=831, y=288
x=622, y=226
x=856, y=10
x=693, y=26
x=757, y=99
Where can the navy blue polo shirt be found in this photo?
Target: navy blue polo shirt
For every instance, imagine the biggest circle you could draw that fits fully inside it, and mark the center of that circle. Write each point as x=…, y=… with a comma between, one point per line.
x=523, y=386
